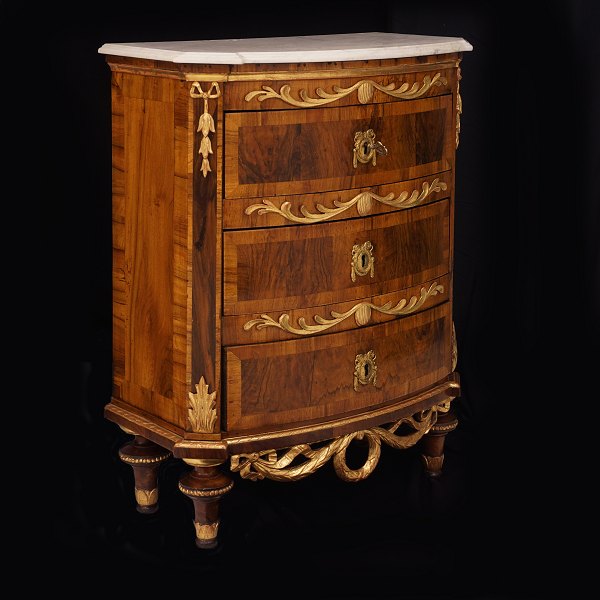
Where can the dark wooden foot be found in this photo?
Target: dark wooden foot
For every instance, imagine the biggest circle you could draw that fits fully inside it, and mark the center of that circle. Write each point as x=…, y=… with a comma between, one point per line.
x=145, y=458
x=205, y=485
x=432, y=444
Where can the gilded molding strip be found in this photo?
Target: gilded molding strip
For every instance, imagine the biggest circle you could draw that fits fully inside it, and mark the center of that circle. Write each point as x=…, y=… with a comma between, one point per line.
x=258, y=465
x=205, y=493
x=144, y=424
x=454, y=348
x=202, y=411
x=363, y=202
x=206, y=124
x=445, y=428
x=365, y=87
x=361, y=311
x=458, y=105
x=143, y=460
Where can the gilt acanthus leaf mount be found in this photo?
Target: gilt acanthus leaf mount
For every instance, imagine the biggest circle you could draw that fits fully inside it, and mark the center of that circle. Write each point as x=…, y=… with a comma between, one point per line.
x=202, y=411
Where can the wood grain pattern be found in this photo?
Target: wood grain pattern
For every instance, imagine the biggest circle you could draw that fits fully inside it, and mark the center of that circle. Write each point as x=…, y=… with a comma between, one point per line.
x=150, y=246
x=142, y=423
x=169, y=302
x=145, y=472
x=149, y=235
x=235, y=216
x=205, y=257
x=271, y=153
x=334, y=69
x=233, y=326
x=285, y=382
x=320, y=429
x=282, y=268
x=171, y=437
x=235, y=96
x=182, y=250
x=119, y=287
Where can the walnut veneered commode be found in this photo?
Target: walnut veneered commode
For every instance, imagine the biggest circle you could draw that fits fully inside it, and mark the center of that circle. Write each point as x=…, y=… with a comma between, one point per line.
x=283, y=217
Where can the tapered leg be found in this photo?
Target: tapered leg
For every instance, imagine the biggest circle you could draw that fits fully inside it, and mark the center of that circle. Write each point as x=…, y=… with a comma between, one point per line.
x=432, y=444
x=145, y=458
x=205, y=485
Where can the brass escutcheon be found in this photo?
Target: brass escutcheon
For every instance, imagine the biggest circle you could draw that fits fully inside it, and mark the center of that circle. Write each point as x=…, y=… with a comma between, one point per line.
x=365, y=369
x=366, y=148
x=363, y=261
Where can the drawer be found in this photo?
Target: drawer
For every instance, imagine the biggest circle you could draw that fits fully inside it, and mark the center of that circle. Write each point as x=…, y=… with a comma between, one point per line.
x=272, y=153
x=308, y=209
x=320, y=320
x=283, y=383
x=391, y=84
x=290, y=267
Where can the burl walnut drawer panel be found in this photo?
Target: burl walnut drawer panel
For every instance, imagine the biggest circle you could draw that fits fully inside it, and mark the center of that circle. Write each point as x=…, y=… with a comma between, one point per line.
x=326, y=376
x=271, y=153
x=284, y=267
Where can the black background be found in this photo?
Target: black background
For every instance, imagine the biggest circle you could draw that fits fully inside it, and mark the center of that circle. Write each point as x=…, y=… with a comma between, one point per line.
x=503, y=520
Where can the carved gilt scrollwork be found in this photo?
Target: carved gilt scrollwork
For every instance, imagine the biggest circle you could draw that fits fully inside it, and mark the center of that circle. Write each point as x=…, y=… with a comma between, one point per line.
x=365, y=90
x=363, y=202
x=300, y=461
x=361, y=311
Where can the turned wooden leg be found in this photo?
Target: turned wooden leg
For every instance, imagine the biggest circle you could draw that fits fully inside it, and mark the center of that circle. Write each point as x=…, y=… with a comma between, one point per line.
x=205, y=485
x=432, y=444
x=145, y=458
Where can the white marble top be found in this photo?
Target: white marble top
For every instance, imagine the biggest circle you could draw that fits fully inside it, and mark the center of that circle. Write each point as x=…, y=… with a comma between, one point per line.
x=309, y=48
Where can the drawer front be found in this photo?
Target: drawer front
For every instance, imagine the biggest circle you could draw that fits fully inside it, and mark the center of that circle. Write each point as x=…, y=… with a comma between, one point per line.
x=308, y=209
x=285, y=267
x=342, y=316
x=273, y=153
x=391, y=84
x=327, y=376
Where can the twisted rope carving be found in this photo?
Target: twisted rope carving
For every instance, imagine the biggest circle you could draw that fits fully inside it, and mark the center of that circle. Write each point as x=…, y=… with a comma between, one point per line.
x=258, y=465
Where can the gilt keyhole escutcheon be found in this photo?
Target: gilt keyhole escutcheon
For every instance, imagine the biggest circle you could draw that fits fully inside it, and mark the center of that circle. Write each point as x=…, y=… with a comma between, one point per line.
x=365, y=370
x=366, y=148
x=363, y=261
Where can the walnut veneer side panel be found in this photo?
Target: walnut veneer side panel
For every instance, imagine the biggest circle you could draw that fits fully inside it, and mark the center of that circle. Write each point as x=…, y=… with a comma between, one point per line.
x=150, y=220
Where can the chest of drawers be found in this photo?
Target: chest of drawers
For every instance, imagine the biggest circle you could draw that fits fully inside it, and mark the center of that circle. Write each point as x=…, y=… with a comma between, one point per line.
x=282, y=256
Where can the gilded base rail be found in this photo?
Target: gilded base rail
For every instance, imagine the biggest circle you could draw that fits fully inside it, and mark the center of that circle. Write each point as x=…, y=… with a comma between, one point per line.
x=268, y=464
